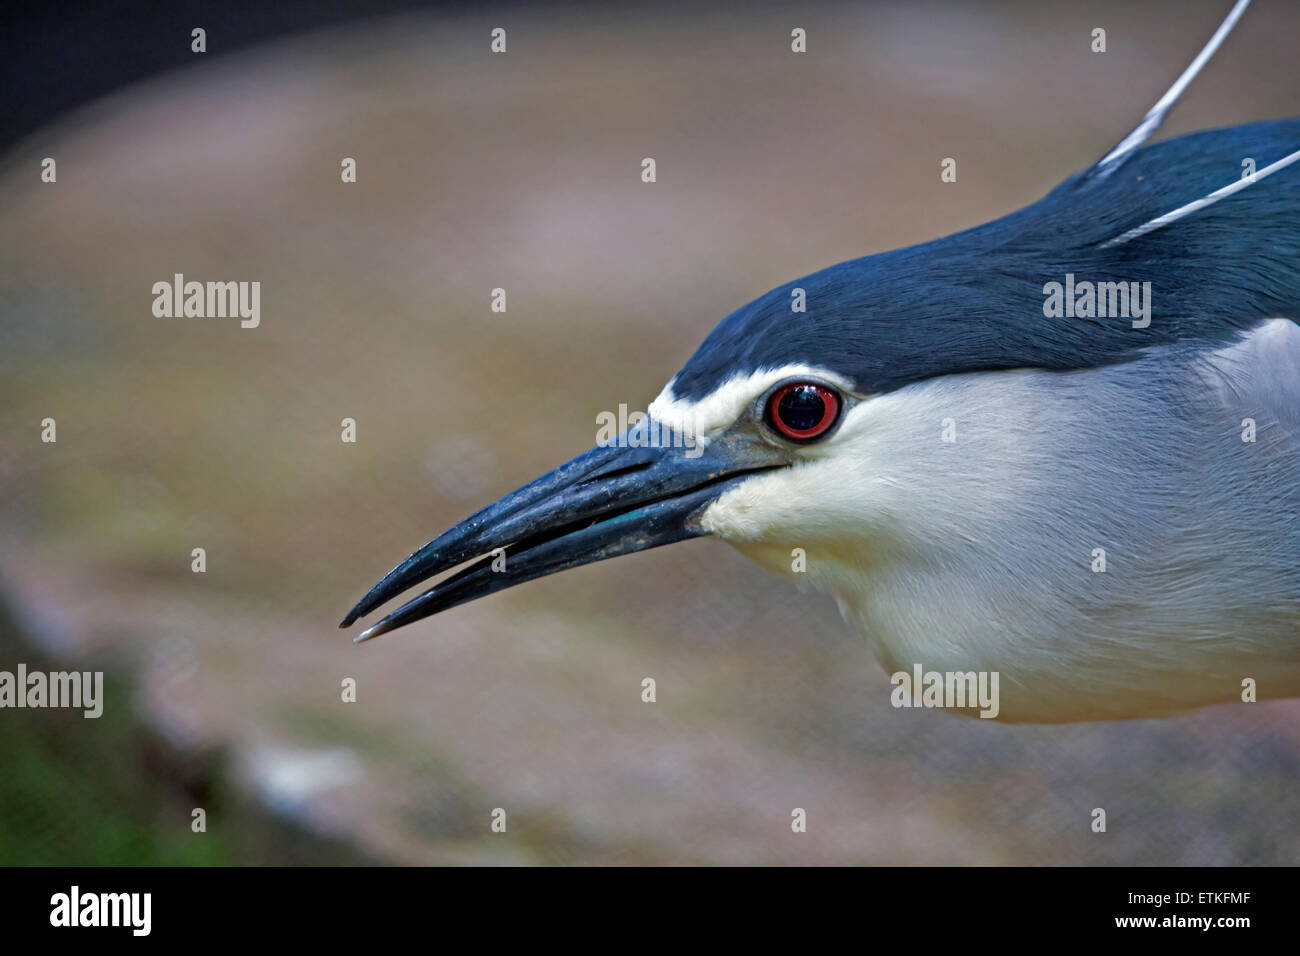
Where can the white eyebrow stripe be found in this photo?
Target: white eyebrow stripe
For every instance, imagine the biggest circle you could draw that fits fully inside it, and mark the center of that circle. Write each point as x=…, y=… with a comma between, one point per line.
x=1156, y=115
x=1211, y=199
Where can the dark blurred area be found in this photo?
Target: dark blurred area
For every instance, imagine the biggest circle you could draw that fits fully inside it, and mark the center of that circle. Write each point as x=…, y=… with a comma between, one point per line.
x=522, y=171
x=55, y=57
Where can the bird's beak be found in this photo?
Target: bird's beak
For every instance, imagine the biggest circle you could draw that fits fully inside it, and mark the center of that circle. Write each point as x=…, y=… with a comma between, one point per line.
x=647, y=488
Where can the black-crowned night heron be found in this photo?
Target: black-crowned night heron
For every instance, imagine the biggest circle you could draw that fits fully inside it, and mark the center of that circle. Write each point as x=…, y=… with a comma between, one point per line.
x=1063, y=446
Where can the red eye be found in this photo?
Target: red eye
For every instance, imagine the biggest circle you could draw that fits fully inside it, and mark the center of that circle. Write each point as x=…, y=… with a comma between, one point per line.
x=803, y=411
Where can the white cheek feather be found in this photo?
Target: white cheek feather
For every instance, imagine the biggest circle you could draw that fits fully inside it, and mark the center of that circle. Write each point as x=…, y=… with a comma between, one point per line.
x=981, y=553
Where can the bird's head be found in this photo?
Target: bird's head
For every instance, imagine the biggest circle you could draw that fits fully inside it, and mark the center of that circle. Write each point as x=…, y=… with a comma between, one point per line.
x=773, y=437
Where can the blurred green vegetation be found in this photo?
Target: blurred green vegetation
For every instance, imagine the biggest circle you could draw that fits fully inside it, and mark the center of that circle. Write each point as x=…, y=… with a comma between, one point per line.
x=111, y=791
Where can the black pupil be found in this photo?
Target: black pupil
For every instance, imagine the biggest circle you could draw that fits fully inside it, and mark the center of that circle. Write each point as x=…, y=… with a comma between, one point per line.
x=801, y=408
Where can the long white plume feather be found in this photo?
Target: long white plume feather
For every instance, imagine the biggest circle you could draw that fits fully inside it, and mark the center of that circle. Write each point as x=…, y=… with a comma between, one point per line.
x=1211, y=199
x=1156, y=115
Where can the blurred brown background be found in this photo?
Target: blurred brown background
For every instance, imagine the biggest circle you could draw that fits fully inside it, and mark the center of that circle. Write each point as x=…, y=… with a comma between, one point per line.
x=522, y=171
